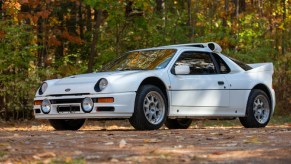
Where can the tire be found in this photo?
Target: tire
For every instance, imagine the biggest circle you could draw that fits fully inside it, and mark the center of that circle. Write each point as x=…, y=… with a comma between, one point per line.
x=151, y=108
x=258, y=111
x=183, y=123
x=68, y=124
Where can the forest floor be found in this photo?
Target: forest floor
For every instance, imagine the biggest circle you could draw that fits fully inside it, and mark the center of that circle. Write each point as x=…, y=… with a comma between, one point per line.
x=117, y=142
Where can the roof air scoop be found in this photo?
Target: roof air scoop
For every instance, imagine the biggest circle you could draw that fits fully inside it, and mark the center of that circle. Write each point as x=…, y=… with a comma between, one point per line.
x=214, y=47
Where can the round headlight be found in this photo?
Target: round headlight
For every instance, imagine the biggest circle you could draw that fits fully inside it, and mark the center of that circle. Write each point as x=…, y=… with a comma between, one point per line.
x=43, y=88
x=46, y=106
x=87, y=105
x=101, y=84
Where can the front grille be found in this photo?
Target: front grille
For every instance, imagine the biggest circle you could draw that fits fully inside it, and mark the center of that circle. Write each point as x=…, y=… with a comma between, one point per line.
x=66, y=101
x=72, y=94
x=70, y=109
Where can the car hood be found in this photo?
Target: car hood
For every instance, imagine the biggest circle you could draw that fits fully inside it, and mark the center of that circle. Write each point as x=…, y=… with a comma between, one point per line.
x=83, y=83
x=91, y=77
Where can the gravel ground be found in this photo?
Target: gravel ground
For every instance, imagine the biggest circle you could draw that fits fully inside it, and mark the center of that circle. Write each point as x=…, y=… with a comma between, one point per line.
x=117, y=142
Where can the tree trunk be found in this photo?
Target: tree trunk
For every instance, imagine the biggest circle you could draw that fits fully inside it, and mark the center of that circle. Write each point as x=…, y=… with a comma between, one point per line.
x=89, y=19
x=72, y=22
x=165, y=23
x=283, y=31
x=226, y=9
x=59, y=50
x=2, y=106
x=93, y=51
x=189, y=22
x=159, y=7
x=81, y=26
x=40, y=50
x=242, y=5
x=6, y=115
x=1, y=9
x=237, y=23
x=128, y=9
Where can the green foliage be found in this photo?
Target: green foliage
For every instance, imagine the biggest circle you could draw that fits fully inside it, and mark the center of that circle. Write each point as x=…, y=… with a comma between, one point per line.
x=18, y=78
x=52, y=39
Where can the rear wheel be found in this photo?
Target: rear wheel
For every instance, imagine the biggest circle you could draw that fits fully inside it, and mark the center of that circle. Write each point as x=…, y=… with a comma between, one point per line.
x=150, y=108
x=258, y=110
x=68, y=124
x=182, y=123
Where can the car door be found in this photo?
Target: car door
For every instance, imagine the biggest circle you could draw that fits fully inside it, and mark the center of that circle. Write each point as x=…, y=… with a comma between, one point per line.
x=203, y=88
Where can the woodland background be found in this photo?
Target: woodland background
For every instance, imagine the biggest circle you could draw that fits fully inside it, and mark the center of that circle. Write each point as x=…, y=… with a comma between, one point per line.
x=45, y=39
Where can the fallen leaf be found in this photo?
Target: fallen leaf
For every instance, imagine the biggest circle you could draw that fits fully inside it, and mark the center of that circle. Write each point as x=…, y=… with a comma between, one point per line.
x=109, y=143
x=212, y=138
x=122, y=143
x=44, y=155
x=230, y=144
x=80, y=132
x=178, y=146
x=114, y=160
x=151, y=140
x=91, y=157
x=230, y=137
x=218, y=153
x=253, y=140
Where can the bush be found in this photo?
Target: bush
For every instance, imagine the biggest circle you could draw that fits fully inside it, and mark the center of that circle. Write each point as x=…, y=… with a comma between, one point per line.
x=18, y=73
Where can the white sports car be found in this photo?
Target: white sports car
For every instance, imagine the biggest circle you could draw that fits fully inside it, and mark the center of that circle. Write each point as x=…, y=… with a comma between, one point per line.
x=168, y=85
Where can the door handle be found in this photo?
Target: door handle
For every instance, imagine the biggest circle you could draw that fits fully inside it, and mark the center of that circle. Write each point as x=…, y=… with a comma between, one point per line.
x=220, y=82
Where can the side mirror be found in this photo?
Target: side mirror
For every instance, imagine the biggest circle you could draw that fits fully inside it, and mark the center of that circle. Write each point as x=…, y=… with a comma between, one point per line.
x=182, y=70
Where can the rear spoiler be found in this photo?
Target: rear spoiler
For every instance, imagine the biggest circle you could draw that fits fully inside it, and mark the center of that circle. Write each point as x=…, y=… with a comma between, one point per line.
x=262, y=67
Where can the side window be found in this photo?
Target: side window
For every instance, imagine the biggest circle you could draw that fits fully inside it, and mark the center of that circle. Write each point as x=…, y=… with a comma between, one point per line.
x=222, y=66
x=200, y=63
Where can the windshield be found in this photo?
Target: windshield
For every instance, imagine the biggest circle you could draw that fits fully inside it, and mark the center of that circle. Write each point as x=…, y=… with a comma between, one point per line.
x=143, y=60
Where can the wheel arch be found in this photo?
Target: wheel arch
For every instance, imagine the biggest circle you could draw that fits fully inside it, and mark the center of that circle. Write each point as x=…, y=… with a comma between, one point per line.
x=156, y=82
x=264, y=88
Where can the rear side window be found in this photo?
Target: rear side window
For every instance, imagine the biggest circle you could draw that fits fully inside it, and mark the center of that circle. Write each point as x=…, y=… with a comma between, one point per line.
x=222, y=66
x=241, y=64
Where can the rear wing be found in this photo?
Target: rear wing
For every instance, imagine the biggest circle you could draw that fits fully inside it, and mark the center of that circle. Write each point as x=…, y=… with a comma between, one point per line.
x=262, y=67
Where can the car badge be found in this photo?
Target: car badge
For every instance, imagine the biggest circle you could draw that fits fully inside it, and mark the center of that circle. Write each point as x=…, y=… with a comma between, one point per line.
x=67, y=90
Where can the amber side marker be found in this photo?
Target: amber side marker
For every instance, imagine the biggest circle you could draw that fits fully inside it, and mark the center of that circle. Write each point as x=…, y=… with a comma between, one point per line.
x=105, y=100
x=37, y=102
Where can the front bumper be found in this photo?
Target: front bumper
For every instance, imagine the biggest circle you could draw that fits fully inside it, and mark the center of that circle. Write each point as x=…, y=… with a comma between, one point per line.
x=122, y=107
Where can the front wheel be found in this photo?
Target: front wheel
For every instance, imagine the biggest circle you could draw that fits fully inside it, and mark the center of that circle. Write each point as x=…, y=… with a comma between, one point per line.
x=258, y=110
x=180, y=123
x=150, y=109
x=67, y=124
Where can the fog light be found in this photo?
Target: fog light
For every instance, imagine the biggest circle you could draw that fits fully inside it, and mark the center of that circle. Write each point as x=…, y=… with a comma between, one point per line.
x=46, y=106
x=87, y=105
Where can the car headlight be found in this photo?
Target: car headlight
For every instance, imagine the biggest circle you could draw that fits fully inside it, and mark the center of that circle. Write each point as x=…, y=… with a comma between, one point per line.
x=87, y=105
x=42, y=88
x=101, y=85
x=46, y=106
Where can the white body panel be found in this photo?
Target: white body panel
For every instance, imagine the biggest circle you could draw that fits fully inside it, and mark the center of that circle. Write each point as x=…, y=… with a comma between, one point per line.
x=188, y=95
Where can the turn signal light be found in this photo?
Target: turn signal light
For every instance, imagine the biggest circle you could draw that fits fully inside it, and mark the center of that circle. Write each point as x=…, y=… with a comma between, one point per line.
x=105, y=100
x=37, y=102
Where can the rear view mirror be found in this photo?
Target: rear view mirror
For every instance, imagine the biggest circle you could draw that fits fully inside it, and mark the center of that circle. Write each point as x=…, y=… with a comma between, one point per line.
x=182, y=70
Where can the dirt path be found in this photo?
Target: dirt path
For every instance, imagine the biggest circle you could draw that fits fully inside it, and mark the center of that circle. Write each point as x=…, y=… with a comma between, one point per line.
x=119, y=144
